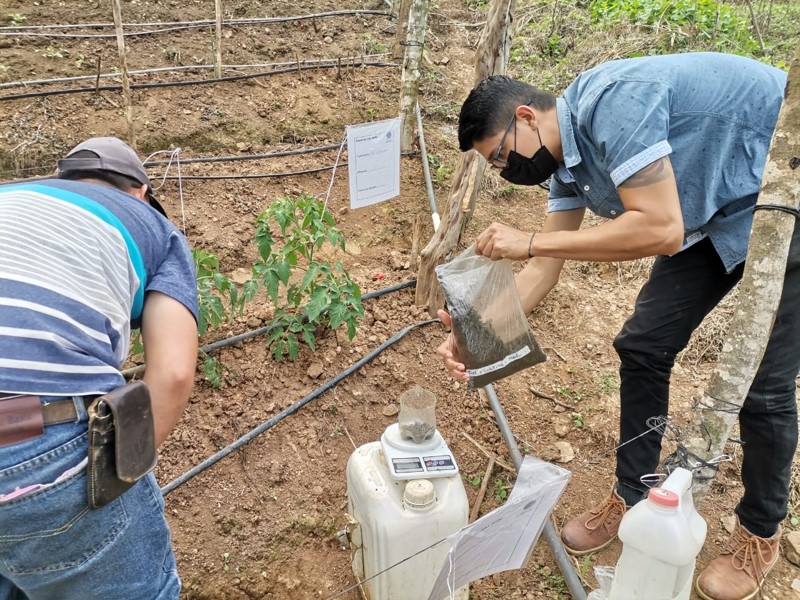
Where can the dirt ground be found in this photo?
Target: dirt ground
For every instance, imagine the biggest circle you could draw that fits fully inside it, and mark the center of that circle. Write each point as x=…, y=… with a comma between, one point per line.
x=262, y=522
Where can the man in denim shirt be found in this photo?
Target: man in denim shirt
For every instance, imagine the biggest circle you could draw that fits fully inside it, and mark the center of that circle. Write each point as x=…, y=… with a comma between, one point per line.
x=671, y=149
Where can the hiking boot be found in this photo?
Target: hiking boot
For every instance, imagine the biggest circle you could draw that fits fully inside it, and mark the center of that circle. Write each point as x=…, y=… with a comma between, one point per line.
x=594, y=529
x=739, y=572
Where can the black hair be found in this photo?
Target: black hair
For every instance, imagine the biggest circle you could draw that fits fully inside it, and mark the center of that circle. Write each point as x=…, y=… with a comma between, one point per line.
x=119, y=181
x=491, y=104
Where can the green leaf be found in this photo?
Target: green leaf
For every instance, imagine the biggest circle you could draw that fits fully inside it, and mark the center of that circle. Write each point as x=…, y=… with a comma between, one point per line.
x=308, y=338
x=249, y=290
x=292, y=346
x=352, y=325
x=284, y=272
x=337, y=313
x=271, y=284
x=310, y=275
x=318, y=303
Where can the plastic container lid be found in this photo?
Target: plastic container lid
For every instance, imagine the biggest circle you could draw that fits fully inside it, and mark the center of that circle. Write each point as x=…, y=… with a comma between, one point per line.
x=663, y=497
x=419, y=494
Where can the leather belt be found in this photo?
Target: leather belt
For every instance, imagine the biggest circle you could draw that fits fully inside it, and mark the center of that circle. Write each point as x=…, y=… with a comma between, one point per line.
x=55, y=412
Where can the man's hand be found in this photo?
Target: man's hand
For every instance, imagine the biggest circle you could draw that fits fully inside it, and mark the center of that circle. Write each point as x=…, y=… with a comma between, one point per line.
x=449, y=353
x=501, y=241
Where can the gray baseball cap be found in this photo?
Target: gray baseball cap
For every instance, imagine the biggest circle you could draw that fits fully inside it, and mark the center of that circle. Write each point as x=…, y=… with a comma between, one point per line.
x=111, y=154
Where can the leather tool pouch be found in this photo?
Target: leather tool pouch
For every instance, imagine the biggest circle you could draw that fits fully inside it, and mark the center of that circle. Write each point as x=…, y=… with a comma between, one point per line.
x=122, y=446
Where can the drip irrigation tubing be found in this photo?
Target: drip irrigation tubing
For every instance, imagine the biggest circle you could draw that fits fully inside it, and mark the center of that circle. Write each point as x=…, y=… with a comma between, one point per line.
x=177, y=68
x=264, y=330
x=29, y=30
x=291, y=409
x=254, y=176
x=141, y=86
x=234, y=158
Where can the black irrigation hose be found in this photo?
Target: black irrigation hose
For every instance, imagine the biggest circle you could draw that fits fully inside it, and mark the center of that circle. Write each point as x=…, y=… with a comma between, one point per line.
x=203, y=23
x=264, y=330
x=291, y=409
x=142, y=86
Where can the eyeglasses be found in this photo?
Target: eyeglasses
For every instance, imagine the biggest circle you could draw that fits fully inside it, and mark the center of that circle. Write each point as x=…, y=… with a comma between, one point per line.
x=502, y=163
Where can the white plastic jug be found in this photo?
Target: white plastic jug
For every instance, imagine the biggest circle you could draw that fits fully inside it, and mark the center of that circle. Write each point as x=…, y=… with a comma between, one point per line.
x=397, y=519
x=661, y=538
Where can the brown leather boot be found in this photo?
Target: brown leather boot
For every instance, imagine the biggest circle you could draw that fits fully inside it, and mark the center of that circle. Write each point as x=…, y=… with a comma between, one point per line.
x=594, y=529
x=739, y=572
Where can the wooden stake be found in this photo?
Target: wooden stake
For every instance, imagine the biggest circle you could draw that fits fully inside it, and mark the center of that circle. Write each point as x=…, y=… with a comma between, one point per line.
x=409, y=82
x=402, y=29
x=218, y=54
x=481, y=492
x=126, y=84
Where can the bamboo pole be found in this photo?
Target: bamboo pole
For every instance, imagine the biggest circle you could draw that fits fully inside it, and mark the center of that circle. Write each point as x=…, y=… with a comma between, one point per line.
x=760, y=291
x=126, y=84
x=409, y=79
x=218, y=45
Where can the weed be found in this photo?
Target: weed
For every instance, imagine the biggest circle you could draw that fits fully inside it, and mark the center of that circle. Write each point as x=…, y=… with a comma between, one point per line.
x=372, y=113
x=553, y=582
x=569, y=393
x=15, y=19
x=225, y=557
x=80, y=61
x=474, y=480
x=608, y=384
x=500, y=490
x=577, y=420
x=506, y=191
x=337, y=431
x=317, y=294
x=172, y=55
x=373, y=46
x=53, y=52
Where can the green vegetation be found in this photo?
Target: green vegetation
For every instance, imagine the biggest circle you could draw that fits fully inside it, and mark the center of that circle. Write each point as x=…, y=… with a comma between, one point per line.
x=15, y=19
x=316, y=293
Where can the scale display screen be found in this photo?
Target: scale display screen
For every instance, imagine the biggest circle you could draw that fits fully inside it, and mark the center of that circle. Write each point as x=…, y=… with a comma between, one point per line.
x=407, y=465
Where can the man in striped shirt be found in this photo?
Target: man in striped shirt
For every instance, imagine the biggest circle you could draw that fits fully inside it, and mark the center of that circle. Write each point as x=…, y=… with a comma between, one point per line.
x=84, y=258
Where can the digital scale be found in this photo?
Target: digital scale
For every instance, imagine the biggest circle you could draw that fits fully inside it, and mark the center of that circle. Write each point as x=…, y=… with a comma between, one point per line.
x=409, y=460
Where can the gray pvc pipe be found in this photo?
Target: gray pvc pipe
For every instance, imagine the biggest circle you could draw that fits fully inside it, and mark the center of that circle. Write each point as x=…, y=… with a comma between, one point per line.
x=426, y=171
x=553, y=540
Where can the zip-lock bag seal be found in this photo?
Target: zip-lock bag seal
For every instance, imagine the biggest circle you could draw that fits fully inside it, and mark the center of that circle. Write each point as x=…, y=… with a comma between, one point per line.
x=122, y=446
x=492, y=334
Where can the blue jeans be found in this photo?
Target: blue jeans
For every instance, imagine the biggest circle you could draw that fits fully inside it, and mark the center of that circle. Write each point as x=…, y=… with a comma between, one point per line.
x=53, y=547
x=680, y=292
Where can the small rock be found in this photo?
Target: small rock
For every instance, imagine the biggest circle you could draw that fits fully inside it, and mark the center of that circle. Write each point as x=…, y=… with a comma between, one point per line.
x=315, y=370
x=240, y=276
x=254, y=322
x=379, y=314
x=390, y=410
x=353, y=248
x=566, y=451
x=728, y=523
x=327, y=39
x=793, y=547
x=562, y=426
x=796, y=588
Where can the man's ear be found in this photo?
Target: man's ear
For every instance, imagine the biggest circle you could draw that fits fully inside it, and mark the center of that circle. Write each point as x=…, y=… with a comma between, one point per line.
x=139, y=192
x=527, y=114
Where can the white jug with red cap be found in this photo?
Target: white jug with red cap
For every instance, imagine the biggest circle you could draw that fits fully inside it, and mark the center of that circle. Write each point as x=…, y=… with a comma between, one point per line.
x=661, y=538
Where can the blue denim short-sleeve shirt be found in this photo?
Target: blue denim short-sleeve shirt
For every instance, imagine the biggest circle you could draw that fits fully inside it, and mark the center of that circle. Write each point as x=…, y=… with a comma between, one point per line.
x=713, y=114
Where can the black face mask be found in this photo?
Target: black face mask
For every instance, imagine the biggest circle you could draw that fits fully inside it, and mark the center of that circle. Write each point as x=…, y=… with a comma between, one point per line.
x=535, y=170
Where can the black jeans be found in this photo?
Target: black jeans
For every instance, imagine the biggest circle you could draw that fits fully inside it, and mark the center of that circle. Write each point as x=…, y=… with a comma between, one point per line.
x=679, y=293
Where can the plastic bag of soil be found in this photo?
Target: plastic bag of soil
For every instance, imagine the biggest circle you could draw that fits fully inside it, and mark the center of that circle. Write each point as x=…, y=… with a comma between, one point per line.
x=491, y=332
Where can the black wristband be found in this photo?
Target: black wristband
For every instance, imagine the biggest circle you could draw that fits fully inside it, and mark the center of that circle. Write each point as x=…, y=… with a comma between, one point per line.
x=530, y=243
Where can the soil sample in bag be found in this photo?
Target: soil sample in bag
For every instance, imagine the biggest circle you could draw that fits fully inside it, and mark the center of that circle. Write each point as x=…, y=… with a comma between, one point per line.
x=492, y=334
